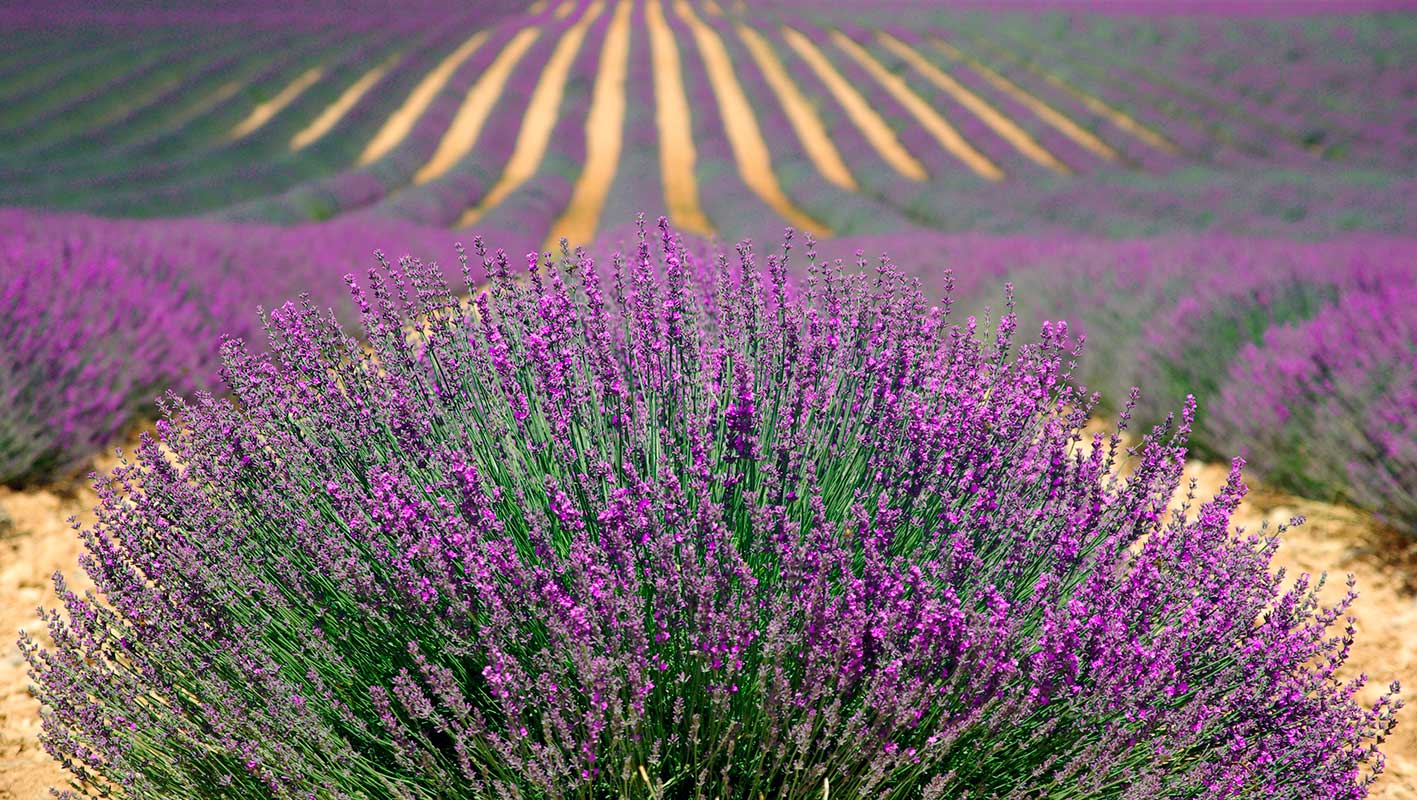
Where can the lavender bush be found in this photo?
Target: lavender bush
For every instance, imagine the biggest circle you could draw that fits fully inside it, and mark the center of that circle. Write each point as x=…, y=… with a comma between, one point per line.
x=1328, y=406
x=67, y=350
x=676, y=531
x=99, y=317
x=1291, y=348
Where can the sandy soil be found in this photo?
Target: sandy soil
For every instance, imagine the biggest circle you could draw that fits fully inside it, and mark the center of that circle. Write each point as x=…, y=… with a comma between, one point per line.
x=38, y=542
x=1335, y=539
x=1340, y=541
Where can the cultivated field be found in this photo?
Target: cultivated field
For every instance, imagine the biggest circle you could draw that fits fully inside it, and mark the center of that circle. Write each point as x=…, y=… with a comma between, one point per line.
x=658, y=513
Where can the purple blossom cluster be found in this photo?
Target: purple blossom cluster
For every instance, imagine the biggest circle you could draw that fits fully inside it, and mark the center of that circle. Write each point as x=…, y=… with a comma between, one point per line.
x=1329, y=404
x=99, y=317
x=1248, y=326
x=68, y=384
x=680, y=529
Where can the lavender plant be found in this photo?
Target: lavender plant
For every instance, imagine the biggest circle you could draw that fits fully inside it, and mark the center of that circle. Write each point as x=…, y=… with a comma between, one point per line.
x=1328, y=405
x=679, y=531
x=1297, y=352
x=99, y=317
x=68, y=381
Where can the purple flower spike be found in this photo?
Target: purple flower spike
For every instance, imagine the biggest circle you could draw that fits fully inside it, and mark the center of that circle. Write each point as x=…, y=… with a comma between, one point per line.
x=681, y=531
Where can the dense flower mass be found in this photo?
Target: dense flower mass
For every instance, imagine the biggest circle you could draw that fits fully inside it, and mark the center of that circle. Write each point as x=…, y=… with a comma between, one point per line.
x=1328, y=405
x=674, y=530
x=1298, y=353
x=68, y=346
x=99, y=317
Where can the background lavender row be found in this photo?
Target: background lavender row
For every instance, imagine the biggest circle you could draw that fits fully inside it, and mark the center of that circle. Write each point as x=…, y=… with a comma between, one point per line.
x=1291, y=91
x=314, y=15
x=97, y=316
x=1179, y=315
x=1300, y=354
x=1328, y=405
x=1254, y=159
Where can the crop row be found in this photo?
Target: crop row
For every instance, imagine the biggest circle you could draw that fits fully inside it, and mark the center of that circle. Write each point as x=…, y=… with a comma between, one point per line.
x=99, y=317
x=818, y=120
x=1300, y=355
x=1298, y=352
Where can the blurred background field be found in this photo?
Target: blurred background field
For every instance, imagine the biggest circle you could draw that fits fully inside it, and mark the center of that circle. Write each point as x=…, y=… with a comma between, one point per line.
x=1221, y=197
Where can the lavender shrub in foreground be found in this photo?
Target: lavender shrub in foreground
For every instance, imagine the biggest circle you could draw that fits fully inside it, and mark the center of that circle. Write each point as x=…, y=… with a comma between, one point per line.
x=672, y=532
x=1323, y=409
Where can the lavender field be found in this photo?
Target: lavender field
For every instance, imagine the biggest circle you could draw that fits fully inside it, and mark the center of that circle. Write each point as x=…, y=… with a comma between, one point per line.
x=701, y=399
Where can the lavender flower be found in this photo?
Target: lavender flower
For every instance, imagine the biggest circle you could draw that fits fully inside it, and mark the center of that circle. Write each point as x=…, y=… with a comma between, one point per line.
x=1270, y=336
x=66, y=350
x=1328, y=405
x=677, y=529
x=99, y=317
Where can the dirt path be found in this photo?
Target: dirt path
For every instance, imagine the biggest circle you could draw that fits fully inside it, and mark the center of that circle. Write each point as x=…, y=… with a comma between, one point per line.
x=1339, y=541
x=38, y=543
x=750, y=149
x=399, y=124
x=800, y=111
x=605, y=135
x=929, y=118
x=463, y=132
x=543, y=111
x=1335, y=539
x=1003, y=127
x=672, y=119
x=347, y=100
x=866, y=119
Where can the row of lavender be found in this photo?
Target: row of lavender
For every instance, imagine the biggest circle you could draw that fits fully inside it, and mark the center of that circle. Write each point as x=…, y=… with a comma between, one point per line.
x=1327, y=85
x=98, y=317
x=1301, y=354
x=1311, y=199
x=166, y=100
x=143, y=127
x=1225, y=85
x=667, y=528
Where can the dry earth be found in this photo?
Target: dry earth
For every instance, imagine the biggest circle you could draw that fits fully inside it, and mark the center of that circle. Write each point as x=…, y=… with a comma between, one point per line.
x=1335, y=539
x=39, y=542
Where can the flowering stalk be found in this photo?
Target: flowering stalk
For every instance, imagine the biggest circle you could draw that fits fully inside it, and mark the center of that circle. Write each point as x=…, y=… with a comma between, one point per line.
x=679, y=531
